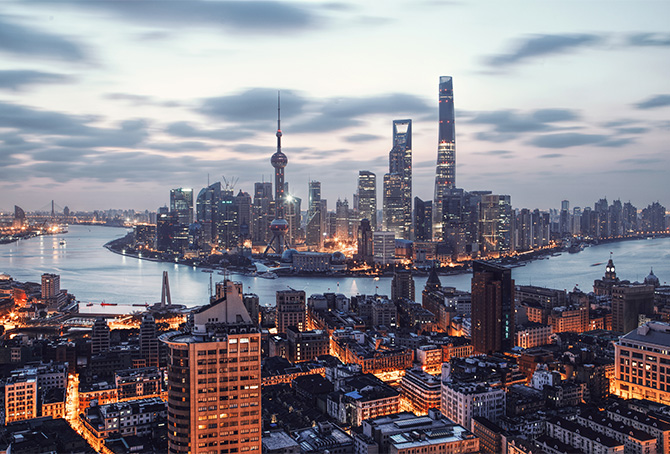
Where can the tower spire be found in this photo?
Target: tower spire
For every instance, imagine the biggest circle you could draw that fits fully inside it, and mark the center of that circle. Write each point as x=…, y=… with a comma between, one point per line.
x=278, y=121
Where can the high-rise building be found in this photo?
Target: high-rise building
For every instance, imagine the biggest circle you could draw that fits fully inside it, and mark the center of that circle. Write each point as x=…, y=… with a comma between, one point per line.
x=365, y=241
x=445, y=174
x=398, y=182
x=50, y=286
x=206, y=208
x=291, y=310
x=383, y=247
x=496, y=223
x=629, y=301
x=262, y=213
x=315, y=219
x=181, y=202
x=100, y=336
x=492, y=328
x=279, y=226
x=149, y=341
x=393, y=207
x=342, y=219
x=214, y=381
x=402, y=285
x=423, y=220
x=243, y=207
x=367, y=197
x=227, y=230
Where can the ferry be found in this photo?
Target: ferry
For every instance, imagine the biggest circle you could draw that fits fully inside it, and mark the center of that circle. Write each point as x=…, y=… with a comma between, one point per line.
x=89, y=304
x=140, y=304
x=598, y=264
x=108, y=304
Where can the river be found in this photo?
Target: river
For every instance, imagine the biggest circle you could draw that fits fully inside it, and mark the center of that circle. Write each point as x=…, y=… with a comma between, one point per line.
x=92, y=273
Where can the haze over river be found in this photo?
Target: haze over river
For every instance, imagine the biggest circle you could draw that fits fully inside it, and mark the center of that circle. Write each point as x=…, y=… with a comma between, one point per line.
x=92, y=273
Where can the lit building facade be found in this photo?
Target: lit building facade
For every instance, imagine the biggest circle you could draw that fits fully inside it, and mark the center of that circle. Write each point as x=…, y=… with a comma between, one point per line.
x=291, y=310
x=642, y=363
x=181, y=202
x=445, y=173
x=214, y=380
x=383, y=247
x=367, y=197
x=492, y=308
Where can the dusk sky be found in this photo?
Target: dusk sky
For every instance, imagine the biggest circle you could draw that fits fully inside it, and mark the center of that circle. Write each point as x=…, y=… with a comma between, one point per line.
x=110, y=104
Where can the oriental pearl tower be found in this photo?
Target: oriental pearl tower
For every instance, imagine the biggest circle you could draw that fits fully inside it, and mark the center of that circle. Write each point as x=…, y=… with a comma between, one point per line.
x=279, y=226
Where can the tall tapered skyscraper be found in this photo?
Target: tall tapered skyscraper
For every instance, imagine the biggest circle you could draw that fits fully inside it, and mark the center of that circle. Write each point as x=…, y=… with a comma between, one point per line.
x=445, y=175
x=398, y=182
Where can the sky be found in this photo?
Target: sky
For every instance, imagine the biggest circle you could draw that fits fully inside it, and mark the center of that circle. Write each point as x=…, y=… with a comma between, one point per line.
x=110, y=104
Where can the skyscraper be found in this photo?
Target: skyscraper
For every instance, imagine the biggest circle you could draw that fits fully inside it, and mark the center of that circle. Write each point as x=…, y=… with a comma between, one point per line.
x=492, y=328
x=315, y=219
x=367, y=197
x=149, y=341
x=423, y=219
x=214, y=379
x=342, y=219
x=278, y=226
x=260, y=232
x=100, y=336
x=398, y=182
x=496, y=223
x=206, y=206
x=181, y=202
x=445, y=175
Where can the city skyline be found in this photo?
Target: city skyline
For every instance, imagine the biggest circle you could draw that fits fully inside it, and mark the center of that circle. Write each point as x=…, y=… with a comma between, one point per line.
x=113, y=104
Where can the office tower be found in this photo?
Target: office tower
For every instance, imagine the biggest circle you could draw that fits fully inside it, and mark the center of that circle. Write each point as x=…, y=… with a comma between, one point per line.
x=575, y=226
x=423, y=220
x=445, y=174
x=206, y=207
x=398, y=182
x=181, y=202
x=524, y=239
x=629, y=302
x=383, y=247
x=227, y=231
x=292, y=215
x=564, y=220
x=100, y=336
x=496, y=223
x=214, y=380
x=279, y=225
x=149, y=341
x=315, y=220
x=20, y=394
x=262, y=213
x=492, y=328
x=367, y=197
x=290, y=310
x=460, y=221
x=365, y=241
x=342, y=219
x=243, y=207
x=19, y=217
x=50, y=286
x=172, y=236
x=402, y=285
x=601, y=212
x=393, y=206
x=616, y=218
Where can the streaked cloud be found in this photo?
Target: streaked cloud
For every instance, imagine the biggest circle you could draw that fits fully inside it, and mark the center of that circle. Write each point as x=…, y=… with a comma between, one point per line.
x=28, y=42
x=654, y=102
x=536, y=46
x=19, y=79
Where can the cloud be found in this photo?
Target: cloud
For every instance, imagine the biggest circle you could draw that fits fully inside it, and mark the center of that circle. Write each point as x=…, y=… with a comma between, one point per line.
x=632, y=130
x=358, y=138
x=257, y=106
x=179, y=146
x=27, y=42
x=536, y=46
x=258, y=17
x=551, y=156
x=253, y=105
x=140, y=100
x=186, y=129
x=654, y=102
x=567, y=140
x=510, y=124
x=649, y=39
x=495, y=153
x=17, y=79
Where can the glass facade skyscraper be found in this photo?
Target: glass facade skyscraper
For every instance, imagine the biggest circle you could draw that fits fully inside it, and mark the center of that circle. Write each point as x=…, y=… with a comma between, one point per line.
x=367, y=197
x=445, y=174
x=398, y=182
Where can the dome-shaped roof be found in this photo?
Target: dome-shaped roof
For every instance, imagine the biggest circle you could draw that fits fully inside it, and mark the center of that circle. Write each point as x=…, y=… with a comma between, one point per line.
x=287, y=255
x=652, y=279
x=337, y=257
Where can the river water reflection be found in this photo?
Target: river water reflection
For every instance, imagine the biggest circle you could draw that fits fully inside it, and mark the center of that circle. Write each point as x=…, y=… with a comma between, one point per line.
x=92, y=273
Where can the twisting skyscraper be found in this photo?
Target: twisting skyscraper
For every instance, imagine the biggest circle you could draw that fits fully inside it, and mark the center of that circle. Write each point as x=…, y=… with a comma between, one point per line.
x=398, y=182
x=279, y=225
x=445, y=176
